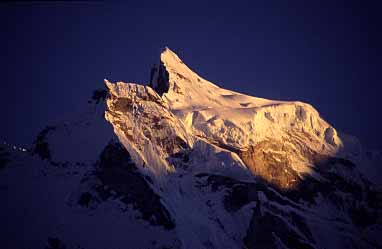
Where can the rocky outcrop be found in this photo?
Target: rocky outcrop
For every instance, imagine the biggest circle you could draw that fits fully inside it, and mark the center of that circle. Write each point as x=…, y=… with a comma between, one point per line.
x=145, y=126
x=41, y=145
x=4, y=157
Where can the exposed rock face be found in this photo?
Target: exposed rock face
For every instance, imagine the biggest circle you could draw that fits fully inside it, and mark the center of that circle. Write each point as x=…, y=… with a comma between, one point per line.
x=99, y=95
x=41, y=147
x=269, y=160
x=4, y=157
x=159, y=79
x=145, y=125
x=117, y=171
x=268, y=230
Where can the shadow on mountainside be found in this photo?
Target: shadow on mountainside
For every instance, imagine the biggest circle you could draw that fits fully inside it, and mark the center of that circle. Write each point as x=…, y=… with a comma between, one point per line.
x=284, y=199
x=120, y=179
x=283, y=196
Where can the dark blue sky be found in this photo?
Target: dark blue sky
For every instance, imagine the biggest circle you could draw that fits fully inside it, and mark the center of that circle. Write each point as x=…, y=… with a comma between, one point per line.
x=327, y=54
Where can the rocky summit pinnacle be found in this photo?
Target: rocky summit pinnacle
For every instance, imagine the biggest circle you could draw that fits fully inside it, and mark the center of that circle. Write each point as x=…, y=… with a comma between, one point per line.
x=185, y=163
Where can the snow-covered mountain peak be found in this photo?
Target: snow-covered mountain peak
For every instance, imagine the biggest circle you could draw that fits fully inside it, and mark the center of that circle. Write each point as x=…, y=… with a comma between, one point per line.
x=179, y=108
x=190, y=165
x=182, y=130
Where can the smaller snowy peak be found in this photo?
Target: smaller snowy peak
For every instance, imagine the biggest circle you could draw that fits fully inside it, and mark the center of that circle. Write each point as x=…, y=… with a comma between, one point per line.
x=77, y=138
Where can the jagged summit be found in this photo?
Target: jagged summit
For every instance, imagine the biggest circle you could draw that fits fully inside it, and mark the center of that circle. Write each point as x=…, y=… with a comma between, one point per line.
x=172, y=76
